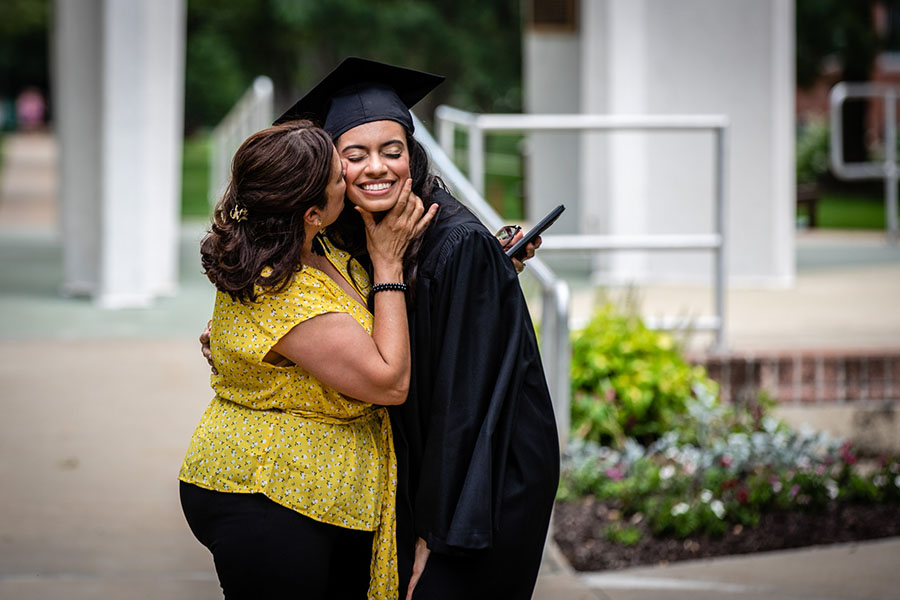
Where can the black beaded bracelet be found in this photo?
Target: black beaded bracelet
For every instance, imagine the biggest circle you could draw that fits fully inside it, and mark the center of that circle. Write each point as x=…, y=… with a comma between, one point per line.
x=380, y=287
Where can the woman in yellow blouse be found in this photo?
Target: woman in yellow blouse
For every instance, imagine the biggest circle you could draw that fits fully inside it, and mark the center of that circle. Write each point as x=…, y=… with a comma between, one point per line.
x=290, y=477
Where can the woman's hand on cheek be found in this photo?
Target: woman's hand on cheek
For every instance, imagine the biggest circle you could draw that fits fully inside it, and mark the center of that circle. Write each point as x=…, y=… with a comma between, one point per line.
x=388, y=239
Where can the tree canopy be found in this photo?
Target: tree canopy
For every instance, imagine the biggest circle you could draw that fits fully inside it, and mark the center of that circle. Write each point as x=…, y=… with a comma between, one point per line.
x=839, y=29
x=24, y=46
x=476, y=44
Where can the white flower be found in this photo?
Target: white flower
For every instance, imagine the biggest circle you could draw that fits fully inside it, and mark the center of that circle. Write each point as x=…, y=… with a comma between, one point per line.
x=706, y=496
x=832, y=487
x=718, y=508
x=667, y=472
x=769, y=424
x=879, y=480
x=680, y=509
x=897, y=481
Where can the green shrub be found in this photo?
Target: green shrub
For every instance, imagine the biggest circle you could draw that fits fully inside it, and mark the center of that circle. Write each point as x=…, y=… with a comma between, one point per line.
x=195, y=177
x=627, y=380
x=812, y=151
x=622, y=533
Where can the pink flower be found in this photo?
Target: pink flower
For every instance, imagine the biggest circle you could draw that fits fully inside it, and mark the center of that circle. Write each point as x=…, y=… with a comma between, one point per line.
x=795, y=489
x=611, y=394
x=614, y=473
x=847, y=454
x=726, y=461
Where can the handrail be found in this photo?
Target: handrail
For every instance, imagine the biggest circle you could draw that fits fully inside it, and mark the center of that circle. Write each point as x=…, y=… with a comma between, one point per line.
x=253, y=112
x=887, y=169
x=477, y=124
x=555, y=347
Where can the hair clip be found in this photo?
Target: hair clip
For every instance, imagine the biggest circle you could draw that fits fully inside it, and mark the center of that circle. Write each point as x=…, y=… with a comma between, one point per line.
x=238, y=214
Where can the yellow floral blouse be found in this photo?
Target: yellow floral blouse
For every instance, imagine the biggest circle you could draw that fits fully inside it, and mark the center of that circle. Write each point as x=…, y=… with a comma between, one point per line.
x=280, y=432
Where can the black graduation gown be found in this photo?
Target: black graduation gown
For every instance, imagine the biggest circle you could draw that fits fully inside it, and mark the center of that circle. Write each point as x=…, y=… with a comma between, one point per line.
x=476, y=440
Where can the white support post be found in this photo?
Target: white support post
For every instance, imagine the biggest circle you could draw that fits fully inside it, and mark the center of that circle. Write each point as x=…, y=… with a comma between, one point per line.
x=76, y=71
x=165, y=24
x=890, y=163
x=118, y=72
x=476, y=157
x=123, y=276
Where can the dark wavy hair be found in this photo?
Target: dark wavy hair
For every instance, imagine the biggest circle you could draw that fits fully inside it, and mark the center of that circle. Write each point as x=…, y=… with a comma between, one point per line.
x=349, y=233
x=276, y=176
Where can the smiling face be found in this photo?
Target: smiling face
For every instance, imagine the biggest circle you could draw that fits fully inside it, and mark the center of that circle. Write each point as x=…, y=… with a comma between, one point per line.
x=376, y=158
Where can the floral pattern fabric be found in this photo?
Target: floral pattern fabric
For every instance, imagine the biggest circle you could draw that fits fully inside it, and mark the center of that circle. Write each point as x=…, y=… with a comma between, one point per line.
x=281, y=432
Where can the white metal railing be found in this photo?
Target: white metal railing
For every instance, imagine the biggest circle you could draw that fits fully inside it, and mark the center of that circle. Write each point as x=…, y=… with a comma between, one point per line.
x=555, y=348
x=254, y=111
x=887, y=169
x=477, y=125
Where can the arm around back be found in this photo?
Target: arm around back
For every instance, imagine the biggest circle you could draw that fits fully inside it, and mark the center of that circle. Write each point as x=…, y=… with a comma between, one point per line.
x=335, y=349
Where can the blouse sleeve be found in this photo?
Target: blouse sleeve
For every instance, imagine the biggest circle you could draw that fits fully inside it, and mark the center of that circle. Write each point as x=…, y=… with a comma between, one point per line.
x=307, y=297
x=245, y=332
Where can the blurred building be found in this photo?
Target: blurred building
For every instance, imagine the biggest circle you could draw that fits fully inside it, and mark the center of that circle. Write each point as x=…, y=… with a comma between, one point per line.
x=667, y=57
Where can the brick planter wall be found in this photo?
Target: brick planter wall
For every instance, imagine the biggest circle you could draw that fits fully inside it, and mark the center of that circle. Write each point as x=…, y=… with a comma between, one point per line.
x=808, y=377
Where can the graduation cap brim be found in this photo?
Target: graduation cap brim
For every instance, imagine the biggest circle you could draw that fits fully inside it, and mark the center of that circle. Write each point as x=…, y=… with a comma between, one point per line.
x=359, y=91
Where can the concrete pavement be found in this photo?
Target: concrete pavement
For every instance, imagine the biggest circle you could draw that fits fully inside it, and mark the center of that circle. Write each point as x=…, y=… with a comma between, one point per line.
x=98, y=406
x=841, y=572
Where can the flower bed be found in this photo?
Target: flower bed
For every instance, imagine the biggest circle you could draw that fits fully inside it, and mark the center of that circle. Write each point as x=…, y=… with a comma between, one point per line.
x=702, y=477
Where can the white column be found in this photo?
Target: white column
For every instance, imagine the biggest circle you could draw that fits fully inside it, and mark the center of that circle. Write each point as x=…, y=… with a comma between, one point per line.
x=123, y=263
x=628, y=170
x=594, y=197
x=663, y=57
x=593, y=193
x=76, y=71
x=119, y=75
x=783, y=159
x=165, y=22
x=551, y=85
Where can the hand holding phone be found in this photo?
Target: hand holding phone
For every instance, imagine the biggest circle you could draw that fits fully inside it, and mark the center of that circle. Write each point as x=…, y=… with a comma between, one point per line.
x=535, y=231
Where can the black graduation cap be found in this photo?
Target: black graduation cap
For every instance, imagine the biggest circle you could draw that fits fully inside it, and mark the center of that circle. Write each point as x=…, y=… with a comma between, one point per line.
x=360, y=91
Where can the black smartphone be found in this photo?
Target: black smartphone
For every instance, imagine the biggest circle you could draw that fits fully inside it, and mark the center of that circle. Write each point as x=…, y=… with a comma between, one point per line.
x=535, y=231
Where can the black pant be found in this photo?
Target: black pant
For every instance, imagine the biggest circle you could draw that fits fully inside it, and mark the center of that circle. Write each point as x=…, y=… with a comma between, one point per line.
x=264, y=550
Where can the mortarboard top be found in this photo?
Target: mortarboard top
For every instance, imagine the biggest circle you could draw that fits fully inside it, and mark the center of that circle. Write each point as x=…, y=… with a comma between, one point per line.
x=360, y=91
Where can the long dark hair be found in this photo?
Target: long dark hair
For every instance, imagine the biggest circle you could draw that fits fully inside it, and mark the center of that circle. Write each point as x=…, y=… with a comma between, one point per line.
x=276, y=176
x=349, y=233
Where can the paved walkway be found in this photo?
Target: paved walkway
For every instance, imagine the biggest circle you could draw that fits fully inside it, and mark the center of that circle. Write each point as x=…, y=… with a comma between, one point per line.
x=98, y=406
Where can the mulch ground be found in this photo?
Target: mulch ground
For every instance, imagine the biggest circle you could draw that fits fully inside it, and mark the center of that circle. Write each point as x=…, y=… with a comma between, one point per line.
x=578, y=530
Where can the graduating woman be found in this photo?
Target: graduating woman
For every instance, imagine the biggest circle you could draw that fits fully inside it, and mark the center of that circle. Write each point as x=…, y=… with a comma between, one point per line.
x=476, y=441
